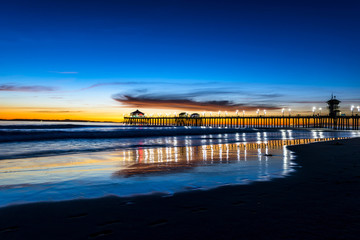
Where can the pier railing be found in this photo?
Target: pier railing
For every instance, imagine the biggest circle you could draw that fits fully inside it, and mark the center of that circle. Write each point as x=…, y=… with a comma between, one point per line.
x=339, y=123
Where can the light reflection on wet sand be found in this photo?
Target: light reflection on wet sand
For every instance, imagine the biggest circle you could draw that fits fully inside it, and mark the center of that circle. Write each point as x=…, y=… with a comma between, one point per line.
x=150, y=160
x=102, y=173
x=144, y=160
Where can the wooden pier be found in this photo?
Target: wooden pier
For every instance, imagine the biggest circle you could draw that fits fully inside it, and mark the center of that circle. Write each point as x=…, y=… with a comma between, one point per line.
x=338, y=123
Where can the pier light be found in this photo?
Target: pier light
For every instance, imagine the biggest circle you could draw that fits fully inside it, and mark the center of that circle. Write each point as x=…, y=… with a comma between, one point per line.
x=203, y=114
x=264, y=112
x=283, y=111
x=358, y=108
x=352, y=109
x=219, y=113
x=289, y=112
x=237, y=112
x=257, y=112
x=225, y=113
x=313, y=110
x=243, y=113
x=320, y=110
x=210, y=114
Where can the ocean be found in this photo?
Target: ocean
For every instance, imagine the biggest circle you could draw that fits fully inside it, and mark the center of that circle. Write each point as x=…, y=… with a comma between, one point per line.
x=55, y=161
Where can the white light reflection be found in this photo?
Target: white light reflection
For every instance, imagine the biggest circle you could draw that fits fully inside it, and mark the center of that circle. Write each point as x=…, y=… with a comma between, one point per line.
x=258, y=137
x=244, y=137
x=285, y=160
x=220, y=153
x=314, y=134
x=204, y=153
x=283, y=134
x=227, y=152
x=176, y=154
x=237, y=137
x=290, y=132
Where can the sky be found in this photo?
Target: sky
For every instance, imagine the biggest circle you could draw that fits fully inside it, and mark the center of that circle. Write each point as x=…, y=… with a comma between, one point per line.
x=98, y=60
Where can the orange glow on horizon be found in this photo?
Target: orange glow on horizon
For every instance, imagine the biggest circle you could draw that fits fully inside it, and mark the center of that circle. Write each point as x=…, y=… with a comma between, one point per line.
x=116, y=114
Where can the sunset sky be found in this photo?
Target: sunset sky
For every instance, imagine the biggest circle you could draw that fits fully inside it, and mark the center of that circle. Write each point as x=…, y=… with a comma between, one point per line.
x=96, y=60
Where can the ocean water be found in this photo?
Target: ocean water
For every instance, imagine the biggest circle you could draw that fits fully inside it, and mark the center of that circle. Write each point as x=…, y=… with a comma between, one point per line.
x=54, y=161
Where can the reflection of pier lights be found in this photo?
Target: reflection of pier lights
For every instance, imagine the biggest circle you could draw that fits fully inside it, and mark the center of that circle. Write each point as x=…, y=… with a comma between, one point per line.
x=227, y=152
x=190, y=155
x=285, y=160
x=220, y=153
x=204, y=152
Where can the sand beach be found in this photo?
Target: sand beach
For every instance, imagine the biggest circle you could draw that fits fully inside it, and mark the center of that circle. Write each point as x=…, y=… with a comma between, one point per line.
x=320, y=200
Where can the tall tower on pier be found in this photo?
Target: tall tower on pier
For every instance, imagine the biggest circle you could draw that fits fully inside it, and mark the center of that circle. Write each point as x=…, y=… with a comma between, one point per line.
x=333, y=106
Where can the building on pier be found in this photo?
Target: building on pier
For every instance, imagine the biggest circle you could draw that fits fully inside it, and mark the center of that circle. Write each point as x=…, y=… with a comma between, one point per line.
x=333, y=106
x=195, y=115
x=183, y=114
x=137, y=113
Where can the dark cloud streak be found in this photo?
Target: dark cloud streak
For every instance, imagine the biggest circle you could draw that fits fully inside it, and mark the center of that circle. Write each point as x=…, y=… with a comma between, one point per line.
x=185, y=104
x=16, y=88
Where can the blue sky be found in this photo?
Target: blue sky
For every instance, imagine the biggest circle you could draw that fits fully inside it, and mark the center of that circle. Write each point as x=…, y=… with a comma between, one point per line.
x=249, y=53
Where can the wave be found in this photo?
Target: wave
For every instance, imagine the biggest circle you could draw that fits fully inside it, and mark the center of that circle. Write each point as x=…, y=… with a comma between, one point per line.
x=58, y=152
x=17, y=136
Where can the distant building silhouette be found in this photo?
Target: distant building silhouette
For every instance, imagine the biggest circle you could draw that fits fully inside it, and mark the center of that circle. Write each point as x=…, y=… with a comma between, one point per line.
x=333, y=106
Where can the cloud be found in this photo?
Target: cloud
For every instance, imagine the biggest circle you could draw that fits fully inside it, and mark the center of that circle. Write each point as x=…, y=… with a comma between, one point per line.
x=109, y=84
x=145, y=82
x=64, y=72
x=189, y=95
x=309, y=102
x=16, y=88
x=186, y=104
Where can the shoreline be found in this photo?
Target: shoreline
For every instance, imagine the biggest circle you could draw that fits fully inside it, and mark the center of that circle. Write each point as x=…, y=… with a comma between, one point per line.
x=9, y=137
x=320, y=200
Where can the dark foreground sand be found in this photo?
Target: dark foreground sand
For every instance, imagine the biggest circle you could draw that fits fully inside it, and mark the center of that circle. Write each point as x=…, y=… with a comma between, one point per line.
x=321, y=200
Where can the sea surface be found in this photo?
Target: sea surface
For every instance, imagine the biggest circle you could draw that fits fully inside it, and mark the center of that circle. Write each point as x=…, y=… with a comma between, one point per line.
x=55, y=161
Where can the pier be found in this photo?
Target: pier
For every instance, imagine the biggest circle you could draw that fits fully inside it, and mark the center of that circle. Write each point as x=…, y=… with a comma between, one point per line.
x=337, y=123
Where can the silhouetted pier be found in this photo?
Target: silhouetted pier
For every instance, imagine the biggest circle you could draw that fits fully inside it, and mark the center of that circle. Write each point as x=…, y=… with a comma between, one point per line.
x=339, y=122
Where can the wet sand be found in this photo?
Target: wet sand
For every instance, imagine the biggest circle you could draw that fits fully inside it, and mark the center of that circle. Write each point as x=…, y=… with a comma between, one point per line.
x=320, y=200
